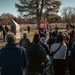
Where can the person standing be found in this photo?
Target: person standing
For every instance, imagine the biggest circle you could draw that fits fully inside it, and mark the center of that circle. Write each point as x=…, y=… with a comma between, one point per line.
x=71, y=59
x=6, y=29
x=1, y=27
x=51, y=41
x=56, y=29
x=60, y=56
x=44, y=44
x=24, y=40
x=50, y=31
x=12, y=57
x=35, y=56
x=28, y=29
x=4, y=34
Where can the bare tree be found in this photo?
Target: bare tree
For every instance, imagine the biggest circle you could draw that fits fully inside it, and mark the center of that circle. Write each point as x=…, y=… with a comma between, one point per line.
x=73, y=16
x=68, y=14
x=6, y=18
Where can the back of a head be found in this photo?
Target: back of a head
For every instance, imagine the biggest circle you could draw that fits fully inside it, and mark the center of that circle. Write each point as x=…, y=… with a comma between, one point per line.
x=59, y=38
x=42, y=40
x=60, y=33
x=53, y=34
x=10, y=37
x=36, y=38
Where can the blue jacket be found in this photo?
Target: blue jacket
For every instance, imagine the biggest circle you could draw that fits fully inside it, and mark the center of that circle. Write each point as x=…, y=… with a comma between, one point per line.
x=12, y=59
x=71, y=58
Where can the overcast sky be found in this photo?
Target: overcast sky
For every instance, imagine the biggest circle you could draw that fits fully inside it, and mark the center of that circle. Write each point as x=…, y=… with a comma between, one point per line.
x=8, y=6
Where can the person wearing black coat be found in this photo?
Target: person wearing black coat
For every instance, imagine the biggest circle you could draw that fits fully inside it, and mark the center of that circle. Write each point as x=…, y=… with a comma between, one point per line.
x=36, y=56
x=12, y=57
x=70, y=61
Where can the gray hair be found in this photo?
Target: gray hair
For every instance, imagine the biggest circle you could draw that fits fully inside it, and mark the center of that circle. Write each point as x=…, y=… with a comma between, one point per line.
x=10, y=37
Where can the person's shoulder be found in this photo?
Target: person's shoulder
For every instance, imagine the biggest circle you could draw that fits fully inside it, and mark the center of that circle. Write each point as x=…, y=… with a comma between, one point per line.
x=2, y=49
x=30, y=46
x=21, y=39
x=64, y=43
x=41, y=47
x=20, y=47
x=54, y=44
x=28, y=39
x=45, y=45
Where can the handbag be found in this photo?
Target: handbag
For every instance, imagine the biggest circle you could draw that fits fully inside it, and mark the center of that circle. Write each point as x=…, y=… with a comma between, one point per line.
x=52, y=53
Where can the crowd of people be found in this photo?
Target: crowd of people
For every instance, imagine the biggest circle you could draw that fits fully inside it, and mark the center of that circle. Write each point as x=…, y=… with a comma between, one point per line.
x=57, y=53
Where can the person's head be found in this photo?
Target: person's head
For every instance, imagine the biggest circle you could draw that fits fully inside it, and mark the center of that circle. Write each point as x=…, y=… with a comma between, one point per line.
x=53, y=34
x=36, y=38
x=59, y=38
x=43, y=40
x=10, y=37
x=24, y=35
x=60, y=33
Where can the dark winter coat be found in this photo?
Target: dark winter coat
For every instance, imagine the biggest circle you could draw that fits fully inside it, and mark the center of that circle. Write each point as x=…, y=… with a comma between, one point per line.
x=12, y=59
x=71, y=60
x=35, y=57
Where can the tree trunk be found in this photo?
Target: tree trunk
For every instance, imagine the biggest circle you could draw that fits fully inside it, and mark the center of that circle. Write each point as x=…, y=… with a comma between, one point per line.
x=38, y=23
